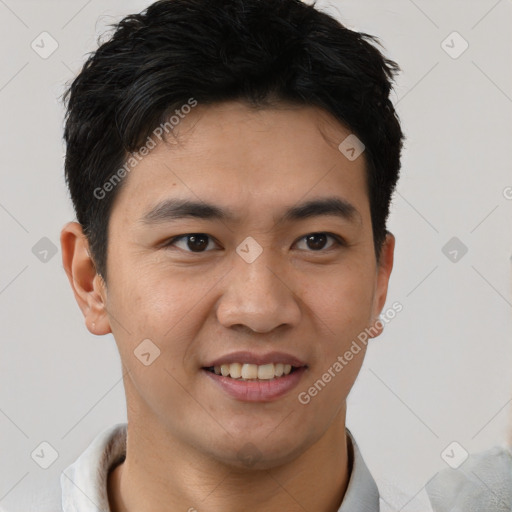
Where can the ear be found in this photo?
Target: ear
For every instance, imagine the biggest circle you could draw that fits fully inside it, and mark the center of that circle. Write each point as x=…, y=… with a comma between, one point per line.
x=89, y=287
x=384, y=268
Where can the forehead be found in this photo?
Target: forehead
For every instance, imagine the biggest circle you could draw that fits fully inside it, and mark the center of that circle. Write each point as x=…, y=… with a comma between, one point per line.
x=248, y=160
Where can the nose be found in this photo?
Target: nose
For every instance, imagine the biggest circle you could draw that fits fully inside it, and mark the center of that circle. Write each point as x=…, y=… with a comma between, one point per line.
x=258, y=296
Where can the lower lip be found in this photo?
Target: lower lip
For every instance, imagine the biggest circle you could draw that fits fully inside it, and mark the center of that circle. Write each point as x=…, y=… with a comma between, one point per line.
x=258, y=390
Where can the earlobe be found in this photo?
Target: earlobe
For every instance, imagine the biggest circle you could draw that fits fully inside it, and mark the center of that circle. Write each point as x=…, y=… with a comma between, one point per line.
x=88, y=287
x=376, y=328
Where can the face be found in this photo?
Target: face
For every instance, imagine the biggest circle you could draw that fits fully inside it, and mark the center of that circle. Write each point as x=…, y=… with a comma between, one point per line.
x=243, y=245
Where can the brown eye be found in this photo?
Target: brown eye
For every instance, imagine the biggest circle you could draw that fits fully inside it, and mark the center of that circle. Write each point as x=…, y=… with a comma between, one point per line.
x=192, y=242
x=197, y=243
x=318, y=241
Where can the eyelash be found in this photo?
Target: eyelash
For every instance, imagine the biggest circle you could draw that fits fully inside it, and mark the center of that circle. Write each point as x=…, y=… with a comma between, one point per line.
x=337, y=239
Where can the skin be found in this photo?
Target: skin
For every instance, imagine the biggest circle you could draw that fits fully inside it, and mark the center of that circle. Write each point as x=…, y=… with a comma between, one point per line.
x=184, y=433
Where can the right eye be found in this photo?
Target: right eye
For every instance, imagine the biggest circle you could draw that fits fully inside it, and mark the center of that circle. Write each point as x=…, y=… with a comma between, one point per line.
x=191, y=242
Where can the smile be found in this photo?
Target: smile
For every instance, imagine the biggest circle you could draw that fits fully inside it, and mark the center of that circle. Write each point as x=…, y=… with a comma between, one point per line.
x=247, y=371
x=255, y=388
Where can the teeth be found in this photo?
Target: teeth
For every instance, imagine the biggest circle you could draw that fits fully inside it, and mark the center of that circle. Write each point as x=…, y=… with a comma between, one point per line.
x=266, y=371
x=248, y=371
x=235, y=370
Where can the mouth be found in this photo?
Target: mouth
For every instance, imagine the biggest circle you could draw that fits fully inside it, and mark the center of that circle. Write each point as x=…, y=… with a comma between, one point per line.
x=253, y=372
x=248, y=377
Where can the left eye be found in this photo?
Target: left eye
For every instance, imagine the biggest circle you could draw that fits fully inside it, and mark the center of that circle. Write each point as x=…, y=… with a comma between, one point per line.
x=318, y=241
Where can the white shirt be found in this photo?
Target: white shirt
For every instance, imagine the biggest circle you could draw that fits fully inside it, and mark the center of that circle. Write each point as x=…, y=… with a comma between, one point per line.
x=84, y=483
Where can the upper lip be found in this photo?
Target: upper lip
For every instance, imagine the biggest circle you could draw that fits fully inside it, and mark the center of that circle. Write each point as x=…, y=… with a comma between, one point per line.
x=259, y=359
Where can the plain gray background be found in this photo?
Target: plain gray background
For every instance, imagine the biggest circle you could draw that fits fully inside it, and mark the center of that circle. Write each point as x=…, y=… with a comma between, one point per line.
x=440, y=373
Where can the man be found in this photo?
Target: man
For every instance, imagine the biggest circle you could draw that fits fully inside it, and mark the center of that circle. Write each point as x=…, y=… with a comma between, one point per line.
x=231, y=165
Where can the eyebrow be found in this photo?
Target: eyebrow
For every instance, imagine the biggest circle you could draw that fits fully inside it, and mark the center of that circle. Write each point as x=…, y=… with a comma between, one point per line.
x=176, y=209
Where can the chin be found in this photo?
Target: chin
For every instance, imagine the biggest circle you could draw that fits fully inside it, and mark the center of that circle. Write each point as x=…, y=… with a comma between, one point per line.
x=260, y=452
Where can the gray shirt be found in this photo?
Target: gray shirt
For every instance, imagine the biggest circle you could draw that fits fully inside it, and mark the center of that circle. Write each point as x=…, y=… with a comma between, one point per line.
x=482, y=483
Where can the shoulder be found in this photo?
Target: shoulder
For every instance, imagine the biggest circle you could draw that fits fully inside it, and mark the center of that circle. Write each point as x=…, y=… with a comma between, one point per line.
x=483, y=481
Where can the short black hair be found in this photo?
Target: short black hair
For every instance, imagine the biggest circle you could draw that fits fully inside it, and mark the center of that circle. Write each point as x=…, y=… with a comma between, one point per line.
x=260, y=52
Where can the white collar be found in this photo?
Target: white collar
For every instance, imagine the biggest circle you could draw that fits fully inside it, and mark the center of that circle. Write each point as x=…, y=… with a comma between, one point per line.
x=84, y=483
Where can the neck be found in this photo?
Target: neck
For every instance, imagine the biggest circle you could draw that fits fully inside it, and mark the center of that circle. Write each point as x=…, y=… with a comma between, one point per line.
x=161, y=474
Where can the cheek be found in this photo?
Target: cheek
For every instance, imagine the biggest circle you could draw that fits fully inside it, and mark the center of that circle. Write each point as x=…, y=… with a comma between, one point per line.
x=341, y=304
x=340, y=299
x=161, y=319
x=166, y=307
x=153, y=297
